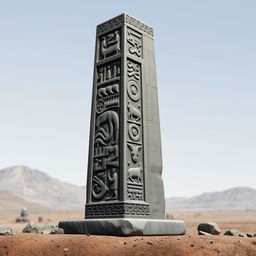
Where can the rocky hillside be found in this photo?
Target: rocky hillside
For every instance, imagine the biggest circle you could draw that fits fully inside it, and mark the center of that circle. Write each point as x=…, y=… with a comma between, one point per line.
x=234, y=198
x=24, y=185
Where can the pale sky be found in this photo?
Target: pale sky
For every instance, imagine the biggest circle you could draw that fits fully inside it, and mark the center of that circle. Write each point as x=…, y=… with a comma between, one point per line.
x=206, y=70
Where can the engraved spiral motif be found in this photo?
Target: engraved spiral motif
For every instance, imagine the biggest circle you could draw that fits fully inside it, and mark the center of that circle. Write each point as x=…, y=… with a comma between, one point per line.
x=134, y=132
x=133, y=90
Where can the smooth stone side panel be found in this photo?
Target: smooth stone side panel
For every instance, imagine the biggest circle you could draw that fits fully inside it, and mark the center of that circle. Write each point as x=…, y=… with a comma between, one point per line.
x=153, y=153
x=124, y=227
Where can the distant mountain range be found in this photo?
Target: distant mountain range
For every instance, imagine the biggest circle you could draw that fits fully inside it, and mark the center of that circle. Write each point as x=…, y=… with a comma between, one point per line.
x=234, y=198
x=21, y=186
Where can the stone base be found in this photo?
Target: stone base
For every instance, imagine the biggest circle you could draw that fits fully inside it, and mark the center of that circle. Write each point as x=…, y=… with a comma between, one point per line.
x=124, y=227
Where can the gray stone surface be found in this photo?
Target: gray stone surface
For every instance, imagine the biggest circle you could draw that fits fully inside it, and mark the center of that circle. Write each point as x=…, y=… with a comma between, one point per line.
x=209, y=227
x=125, y=159
x=57, y=230
x=124, y=227
x=45, y=229
x=31, y=228
x=254, y=235
x=5, y=231
x=232, y=232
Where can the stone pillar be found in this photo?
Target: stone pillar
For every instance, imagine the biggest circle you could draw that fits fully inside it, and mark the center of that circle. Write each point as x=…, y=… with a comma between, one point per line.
x=124, y=180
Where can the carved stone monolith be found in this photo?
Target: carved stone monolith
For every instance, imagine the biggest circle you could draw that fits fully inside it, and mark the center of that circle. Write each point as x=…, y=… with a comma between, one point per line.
x=125, y=194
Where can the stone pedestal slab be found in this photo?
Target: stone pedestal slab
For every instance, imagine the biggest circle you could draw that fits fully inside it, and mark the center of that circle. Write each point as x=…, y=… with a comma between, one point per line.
x=124, y=227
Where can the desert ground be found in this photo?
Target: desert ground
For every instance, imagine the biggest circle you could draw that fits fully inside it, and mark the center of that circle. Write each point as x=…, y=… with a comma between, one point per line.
x=77, y=245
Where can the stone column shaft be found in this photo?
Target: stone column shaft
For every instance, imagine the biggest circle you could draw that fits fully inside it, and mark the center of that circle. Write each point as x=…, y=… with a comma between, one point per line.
x=124, y=165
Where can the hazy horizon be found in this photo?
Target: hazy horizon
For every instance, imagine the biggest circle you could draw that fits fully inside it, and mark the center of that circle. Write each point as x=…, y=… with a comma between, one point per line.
x=205, y=61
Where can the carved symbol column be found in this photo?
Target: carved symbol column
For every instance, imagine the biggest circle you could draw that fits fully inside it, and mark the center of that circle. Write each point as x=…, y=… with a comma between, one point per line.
x=125, y=163
x=116, y=167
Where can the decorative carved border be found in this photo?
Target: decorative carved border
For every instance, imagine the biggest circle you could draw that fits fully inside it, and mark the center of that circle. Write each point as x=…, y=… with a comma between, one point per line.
x=138, y=24
x=108, y=25
x=116, y=210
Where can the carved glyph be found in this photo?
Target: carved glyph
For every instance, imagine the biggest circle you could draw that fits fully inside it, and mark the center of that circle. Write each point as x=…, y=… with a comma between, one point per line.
x=110, y=45
x=106, y=171
x=133, y=70
x=135, y=180
x=135, y=149
x=108, y=71
x=134, y=40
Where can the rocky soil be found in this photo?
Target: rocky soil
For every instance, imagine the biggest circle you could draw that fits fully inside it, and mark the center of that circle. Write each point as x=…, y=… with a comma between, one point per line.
x=78, y=245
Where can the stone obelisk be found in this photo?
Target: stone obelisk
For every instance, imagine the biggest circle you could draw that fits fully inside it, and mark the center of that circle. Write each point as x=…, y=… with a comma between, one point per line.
x=125, y=194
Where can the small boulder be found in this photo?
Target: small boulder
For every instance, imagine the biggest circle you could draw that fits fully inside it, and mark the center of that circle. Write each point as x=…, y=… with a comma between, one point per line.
x=46, y=229
x=232, y=232
x=209, y=227
x=5, y=231
x=40, y=219
x=57, y=230
x=31, y=228
x=254, y=235
x=249, y=235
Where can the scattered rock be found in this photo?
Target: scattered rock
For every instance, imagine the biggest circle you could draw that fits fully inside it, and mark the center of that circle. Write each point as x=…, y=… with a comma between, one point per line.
x=31, y=228
x=254, y=235
x=40, y=219
x=232, y=232
x=249, y=235
x=242, y=235
x=149, y=243
x=46, y=229
x=57, y=230
x=202, y=233
x=209, y=227
x=5, y=231
x=65, y=249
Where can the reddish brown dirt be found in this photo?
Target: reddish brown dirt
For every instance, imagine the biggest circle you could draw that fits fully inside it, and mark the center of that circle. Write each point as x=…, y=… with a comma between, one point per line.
x=79, y=245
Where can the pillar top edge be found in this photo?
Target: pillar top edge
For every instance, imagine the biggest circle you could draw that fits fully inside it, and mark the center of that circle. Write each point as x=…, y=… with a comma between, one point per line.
x=124, y=18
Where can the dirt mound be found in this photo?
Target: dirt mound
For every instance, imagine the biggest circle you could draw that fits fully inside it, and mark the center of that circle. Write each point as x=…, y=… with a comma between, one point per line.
x=74, y=245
